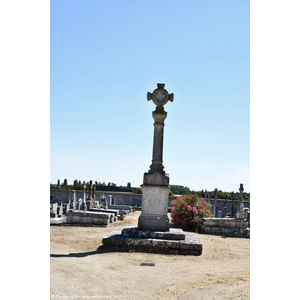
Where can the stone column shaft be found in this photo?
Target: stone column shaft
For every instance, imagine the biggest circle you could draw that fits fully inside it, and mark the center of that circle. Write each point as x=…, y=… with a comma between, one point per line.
x=158, y=138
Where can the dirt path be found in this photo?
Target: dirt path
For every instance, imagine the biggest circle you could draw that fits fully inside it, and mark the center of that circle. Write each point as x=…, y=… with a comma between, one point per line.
x=79, y=272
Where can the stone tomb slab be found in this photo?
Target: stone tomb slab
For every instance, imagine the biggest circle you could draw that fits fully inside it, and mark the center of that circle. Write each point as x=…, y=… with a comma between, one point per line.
x=226, y=227
x=87, y=217
x=173, y=242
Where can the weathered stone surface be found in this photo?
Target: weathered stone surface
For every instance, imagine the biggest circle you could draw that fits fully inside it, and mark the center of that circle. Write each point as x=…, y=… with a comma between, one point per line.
x=172, y=234
x=231, y=227
x=132, y=232
x=115, y=240
x=225, y=222
x=134, y=242
x=156, y=179
x=86, y=217
x=165, y=244
x=57, y=220
x=154, y=222
x=154, y=208
x=190, y=245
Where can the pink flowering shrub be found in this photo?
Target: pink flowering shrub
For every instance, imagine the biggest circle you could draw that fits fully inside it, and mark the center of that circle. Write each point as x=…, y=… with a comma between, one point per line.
x=188, y=212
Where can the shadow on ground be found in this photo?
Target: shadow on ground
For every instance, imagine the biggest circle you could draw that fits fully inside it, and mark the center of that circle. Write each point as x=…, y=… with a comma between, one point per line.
x=100, y=250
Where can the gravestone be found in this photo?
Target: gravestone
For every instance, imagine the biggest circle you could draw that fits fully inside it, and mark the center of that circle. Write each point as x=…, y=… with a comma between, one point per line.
x=54, y=208
x=60, y=210
x=113, y=200
x=74, y=200
x=93, y=192
x=224, y=210
x=67, y=208
x=205, y=195
x=89, y=200
x=232, y=205
x=69, y=197
x=240, y=213
x=80, y=202
x=155, y=187
x=215, y=202
x=104, y=201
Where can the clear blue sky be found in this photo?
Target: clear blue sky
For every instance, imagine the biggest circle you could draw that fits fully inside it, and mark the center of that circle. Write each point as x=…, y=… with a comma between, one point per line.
x=104, y=58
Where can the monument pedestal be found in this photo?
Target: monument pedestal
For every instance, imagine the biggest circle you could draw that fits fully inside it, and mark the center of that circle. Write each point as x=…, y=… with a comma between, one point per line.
x=155, y=198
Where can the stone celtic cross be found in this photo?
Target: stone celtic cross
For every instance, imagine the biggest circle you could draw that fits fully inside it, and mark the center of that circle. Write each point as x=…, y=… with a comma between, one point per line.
x=160, y=97
x=155, y=187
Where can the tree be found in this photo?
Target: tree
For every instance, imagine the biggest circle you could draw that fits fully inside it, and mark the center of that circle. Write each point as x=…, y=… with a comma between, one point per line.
x=129, y=185
x=137, y=191
x=179, y=190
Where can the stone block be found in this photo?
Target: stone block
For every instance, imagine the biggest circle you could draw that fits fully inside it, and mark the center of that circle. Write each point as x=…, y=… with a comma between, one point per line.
x=190, y=243
x=132, y=232
x=159, y=244
x=154, y=222
x=156, y=179
x=115, y=240
x=135, y=243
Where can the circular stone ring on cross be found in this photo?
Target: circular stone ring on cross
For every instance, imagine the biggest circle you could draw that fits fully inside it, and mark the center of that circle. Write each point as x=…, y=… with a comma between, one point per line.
x=160, y=96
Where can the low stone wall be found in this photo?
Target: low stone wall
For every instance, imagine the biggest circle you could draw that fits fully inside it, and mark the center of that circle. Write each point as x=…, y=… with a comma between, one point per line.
x=131, y=199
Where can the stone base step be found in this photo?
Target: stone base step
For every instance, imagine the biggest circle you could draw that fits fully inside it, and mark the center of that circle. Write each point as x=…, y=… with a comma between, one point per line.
x=172, y=234
x=190, y=245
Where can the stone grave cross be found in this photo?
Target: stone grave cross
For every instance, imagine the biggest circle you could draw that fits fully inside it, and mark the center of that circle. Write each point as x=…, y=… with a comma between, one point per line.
x=215, y=203
x=155, y=187
x=160, y=97
x=240, y=205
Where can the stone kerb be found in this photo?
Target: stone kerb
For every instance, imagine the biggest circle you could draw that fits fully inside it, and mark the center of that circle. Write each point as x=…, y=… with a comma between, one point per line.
x=226, y=226
x=86, y=217
x=225, y=222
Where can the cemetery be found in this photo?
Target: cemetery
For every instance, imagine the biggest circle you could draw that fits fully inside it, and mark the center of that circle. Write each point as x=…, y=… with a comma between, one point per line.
x=153, y=233
x=99, y=238
x=87, y=211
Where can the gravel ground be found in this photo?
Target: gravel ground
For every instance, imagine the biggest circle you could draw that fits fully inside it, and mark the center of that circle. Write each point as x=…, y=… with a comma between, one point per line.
x=78, y=271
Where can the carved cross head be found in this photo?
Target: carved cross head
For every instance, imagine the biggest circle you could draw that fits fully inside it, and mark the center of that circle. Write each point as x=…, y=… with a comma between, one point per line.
x=160, y=96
